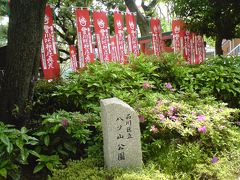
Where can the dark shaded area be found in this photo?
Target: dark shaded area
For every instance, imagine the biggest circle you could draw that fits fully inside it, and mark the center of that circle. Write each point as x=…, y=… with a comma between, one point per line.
x=3, y=55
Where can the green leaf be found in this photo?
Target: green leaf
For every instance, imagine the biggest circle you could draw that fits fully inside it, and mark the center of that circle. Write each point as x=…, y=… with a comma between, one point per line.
x=40, y=133
x=9, y=148
x=3, y=172
x=38, y=168
x=24, y=155
x=69, y=147
x=46, y=140
x=3, y=163
x=49, y=166
x=19, y=143
x=23, y=130
x=5, y=140
x=55, y=128
x=34, y=153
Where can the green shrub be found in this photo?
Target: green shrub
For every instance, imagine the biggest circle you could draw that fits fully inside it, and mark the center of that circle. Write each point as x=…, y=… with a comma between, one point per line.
x=100, y=81
x=93, y=169
x=217, y=77
x=182, y=133
x=63, y=135
x=43, y=101
x=83, y=90
x=14, y=150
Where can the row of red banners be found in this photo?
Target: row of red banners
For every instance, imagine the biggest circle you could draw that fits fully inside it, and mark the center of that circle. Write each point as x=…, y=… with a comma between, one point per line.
x=187, y=43
x=111, y=48
x=114, y=48
x=108, y=48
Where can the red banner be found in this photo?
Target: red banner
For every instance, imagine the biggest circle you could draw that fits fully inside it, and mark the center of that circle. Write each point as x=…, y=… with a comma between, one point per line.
x=178, y=31
x=49, y=54
x=73, y=58
x=100, y=22
x=132, y=34
x=156, y=35
x=85, y=46
x=200, y=49
x=188, y=46
x=119, y=34
x=114, y=51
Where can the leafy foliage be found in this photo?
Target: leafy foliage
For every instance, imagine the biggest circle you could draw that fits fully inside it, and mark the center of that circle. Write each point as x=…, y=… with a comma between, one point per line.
x=209, y=17
x=93, y=169
x=83, y=90
x=218, y=77
x=212, y=18
x=182, y=131
x=14, y=150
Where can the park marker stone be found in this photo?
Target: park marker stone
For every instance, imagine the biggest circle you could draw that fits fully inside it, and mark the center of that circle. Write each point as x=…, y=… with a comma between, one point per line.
x=121, y=134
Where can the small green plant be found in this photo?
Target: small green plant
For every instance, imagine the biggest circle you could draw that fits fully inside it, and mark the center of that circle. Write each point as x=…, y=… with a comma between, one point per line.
x=63, y=135
x=14, y=150
x=93, y=169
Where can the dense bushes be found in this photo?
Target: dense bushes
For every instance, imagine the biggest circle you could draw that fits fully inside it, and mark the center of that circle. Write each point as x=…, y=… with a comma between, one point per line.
x=93, y=169
x=219, y=78
x=186, y=133
x=81, y=91
x=183, y=136
x=60, y=137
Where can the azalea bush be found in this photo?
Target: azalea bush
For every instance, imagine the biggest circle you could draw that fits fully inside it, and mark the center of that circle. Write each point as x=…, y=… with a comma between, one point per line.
x=183, y=136
x=183, y=131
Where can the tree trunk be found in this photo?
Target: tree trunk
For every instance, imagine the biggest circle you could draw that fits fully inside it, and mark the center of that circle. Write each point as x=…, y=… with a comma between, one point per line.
x=218, y=46
x=23, y=54
x=141, y=19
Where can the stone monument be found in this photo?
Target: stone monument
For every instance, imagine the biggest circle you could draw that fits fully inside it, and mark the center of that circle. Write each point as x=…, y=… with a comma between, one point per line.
x=121, y=134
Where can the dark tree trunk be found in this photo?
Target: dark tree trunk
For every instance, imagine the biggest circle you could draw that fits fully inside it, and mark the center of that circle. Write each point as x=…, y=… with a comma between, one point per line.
x=23, y=53
x=218, y=46
x=141, y=19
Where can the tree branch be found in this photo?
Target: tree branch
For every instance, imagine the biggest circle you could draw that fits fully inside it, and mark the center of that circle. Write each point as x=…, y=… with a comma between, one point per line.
x=152, y=4
x=63, y=51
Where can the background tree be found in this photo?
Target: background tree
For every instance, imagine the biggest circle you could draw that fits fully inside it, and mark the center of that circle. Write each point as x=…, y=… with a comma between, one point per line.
x=65, y=24
x=215, y=18
x=3, y=26
x=23, y=53
x=65, y=18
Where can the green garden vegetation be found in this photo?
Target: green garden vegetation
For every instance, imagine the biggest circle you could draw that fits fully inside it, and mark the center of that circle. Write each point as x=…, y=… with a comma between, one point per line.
x=189, y=118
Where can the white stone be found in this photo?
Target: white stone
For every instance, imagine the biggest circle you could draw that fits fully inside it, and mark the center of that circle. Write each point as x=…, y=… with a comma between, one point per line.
x=121, y=134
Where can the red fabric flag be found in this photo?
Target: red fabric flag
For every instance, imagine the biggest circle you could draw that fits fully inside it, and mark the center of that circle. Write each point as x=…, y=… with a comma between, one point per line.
x=200, y=49
x=114, y=51
x=85, y=46
x=119, y=34
x=156, y=35
x=73, y=58
x=49, y=54
x=100, y=22
x=187, y=53
x=178, y=31
x=132, y=34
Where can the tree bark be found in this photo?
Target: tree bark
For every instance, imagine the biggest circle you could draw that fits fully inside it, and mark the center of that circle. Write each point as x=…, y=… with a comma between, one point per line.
x=23, y=54
x=141, y=19
x=218, y=46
